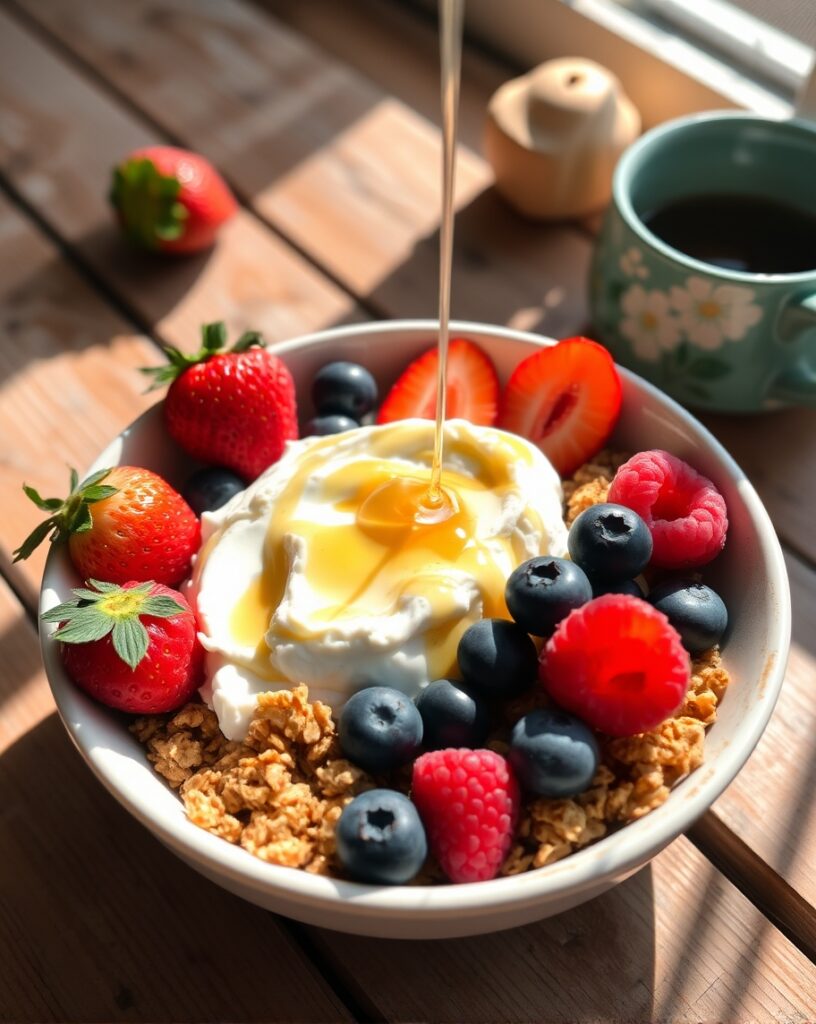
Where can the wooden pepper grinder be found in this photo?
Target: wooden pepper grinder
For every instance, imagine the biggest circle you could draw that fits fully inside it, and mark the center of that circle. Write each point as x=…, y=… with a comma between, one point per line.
x=554, y=136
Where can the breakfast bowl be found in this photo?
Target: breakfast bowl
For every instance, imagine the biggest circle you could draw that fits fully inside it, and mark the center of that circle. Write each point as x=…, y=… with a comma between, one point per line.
x=750, y=575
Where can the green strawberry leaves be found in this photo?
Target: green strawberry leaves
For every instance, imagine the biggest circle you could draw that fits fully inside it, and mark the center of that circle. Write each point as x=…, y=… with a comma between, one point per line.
x=147, y=202
x=213, y=343
x=68, y=515
x=109, y=609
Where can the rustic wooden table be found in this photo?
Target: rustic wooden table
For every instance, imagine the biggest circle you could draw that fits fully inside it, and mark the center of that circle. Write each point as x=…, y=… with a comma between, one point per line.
x=323, y=116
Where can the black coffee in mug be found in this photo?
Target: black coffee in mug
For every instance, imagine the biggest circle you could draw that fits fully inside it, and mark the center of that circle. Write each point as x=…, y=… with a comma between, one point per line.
x=753, y=234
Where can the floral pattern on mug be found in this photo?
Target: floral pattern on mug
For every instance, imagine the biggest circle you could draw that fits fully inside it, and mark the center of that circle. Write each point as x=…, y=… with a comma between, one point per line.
x=709, y=314
x=631, y=263
x=648, y=322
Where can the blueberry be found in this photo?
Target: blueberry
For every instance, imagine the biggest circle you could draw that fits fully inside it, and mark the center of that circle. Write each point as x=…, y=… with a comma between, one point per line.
x=610, y=542
x=543, y=590
x=331, y=424
x=497, y=658
x=451, y=717
x=346, y=389
x=629, y=587
x=695, y=610
x=554, y=754
x=380, y=838
x=380, y=728
x=210, y=488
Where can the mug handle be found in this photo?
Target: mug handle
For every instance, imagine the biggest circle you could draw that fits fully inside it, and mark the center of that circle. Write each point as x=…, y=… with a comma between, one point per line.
x=796, y=327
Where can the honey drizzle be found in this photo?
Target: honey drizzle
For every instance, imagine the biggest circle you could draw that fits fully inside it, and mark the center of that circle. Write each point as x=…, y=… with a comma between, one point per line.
x=436, y=502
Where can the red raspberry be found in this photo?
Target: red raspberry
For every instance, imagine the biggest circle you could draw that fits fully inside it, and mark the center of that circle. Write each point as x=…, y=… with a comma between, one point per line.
x=468, y=801
x=618, y=664
x=684, y=511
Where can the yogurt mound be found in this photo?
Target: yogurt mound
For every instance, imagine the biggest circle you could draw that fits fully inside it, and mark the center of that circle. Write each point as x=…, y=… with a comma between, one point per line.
x=319, y=573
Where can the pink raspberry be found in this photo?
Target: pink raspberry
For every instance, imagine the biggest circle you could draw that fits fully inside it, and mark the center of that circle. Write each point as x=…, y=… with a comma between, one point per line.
x=617, y=663
x=684, y=511
x=468, y=801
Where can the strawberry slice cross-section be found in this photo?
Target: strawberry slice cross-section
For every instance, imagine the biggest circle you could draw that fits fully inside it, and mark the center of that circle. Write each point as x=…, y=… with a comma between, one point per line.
x=472, y=391
x=566, y=399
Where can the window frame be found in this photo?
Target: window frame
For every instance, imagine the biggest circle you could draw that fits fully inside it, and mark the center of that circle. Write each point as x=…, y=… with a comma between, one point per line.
x=664, y=74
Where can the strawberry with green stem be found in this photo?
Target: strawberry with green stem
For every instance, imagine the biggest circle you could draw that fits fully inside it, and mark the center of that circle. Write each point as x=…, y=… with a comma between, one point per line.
x=120, y=524
x=132, y=647
x=234, y=407
x=170, y=199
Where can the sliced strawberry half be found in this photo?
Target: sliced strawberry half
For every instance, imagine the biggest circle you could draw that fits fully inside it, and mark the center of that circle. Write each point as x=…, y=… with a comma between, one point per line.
x=565, y=399
x=472, y=389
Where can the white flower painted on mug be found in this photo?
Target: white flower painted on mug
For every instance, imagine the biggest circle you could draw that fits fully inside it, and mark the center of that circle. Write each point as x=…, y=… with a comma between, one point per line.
x=631, y=263
x=648, y=322
x=710, y=313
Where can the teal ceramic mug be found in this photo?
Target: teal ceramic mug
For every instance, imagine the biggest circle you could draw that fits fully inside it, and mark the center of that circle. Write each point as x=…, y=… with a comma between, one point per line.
x=715, y=338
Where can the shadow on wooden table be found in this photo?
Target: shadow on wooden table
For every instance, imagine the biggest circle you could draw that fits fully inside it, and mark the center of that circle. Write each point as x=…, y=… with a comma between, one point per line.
x=112, y=925
x=499, y=263
x=120, y=928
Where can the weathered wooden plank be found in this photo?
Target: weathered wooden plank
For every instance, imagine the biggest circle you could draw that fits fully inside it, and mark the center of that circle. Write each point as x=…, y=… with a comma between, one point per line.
x=770, y=805
x=68, y=378
x=366, y=38
x=97, y=920
x=342, y=191
x=348, y=173
x=59, y=139
x=675, y=943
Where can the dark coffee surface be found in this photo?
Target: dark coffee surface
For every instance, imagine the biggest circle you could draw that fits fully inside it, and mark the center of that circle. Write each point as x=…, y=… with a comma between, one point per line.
x=746, y=233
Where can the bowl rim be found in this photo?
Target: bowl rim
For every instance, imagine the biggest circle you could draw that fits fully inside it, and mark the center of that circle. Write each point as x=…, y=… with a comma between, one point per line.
x=613, y=856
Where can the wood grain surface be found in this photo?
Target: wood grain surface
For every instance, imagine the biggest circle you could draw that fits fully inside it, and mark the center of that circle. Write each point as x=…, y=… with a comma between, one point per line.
x=361, y=199
x=59, y=139
x=338, y=223
x=345, y=171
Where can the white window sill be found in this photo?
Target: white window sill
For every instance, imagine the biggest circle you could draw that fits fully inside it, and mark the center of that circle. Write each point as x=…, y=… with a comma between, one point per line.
x=665, y=74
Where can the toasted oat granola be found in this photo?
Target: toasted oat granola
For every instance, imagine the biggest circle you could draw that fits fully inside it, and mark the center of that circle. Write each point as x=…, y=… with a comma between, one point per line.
x=280, y=793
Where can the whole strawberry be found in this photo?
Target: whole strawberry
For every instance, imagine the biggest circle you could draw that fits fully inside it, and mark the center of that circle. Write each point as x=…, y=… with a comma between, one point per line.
x=170, y=199
x=468, y=801
x=235, y=408
x=121, y=524
x=133, y=648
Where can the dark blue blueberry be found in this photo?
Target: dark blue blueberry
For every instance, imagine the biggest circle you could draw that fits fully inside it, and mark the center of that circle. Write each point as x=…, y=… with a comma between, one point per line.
x=696, y=611
x=380, y=728
x=610, y=542
x=629, y=587
x=543, y=590
x=497, y=659
x=210, y=488
x=320, y=426
x=380, y=838
x=554, y=754
x=451, y=717
x=344, y=388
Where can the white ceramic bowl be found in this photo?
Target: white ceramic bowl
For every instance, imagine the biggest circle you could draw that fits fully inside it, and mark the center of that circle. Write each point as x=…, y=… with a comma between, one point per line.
x=750, y=575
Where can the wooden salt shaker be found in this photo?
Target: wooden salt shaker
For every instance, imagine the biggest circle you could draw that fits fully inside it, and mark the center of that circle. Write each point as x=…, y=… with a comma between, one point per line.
x=554, y=136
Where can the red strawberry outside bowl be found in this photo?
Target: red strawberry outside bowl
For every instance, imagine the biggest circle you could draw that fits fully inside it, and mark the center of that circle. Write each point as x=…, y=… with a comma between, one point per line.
x=750, y=575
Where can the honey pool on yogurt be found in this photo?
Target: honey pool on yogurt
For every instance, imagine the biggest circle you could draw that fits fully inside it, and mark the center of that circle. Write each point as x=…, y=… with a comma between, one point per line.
x=377, y=541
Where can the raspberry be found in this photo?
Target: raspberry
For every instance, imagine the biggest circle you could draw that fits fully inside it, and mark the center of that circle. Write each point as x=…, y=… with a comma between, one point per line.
x=684, y=511
x=618, y=664
x=468, y=801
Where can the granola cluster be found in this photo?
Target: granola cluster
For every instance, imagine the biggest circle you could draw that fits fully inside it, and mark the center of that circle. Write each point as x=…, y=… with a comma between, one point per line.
x=280, y=792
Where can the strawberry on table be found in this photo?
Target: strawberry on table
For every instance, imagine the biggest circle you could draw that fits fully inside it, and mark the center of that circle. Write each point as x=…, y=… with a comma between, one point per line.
x=121, y=524
x=132, y=647
x=566, y=399
x=472, y=391
x=235, y=407
x=170, y=199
